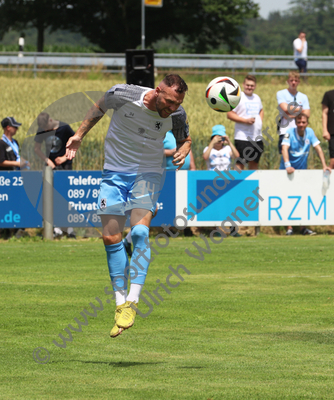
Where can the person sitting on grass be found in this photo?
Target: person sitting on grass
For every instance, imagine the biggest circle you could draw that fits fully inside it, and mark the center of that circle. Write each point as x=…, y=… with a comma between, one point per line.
x=295, y=151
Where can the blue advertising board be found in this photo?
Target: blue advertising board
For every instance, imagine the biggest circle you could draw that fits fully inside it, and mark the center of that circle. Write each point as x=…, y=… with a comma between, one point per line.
x=166, y=202
x=75, y=198
x=216, y=204
x=21, y=199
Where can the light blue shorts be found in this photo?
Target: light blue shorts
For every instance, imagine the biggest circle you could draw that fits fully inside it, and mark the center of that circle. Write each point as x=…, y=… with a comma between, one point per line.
x=120, y=192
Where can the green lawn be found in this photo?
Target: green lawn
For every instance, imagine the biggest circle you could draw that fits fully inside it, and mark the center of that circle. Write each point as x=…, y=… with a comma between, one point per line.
x=253, y=320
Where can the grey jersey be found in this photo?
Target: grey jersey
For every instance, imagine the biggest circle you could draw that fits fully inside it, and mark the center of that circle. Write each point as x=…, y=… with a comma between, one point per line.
x=134, y=141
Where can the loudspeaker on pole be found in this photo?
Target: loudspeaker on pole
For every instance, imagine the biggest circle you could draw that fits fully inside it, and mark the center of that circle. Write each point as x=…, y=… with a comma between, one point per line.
x=140, y=67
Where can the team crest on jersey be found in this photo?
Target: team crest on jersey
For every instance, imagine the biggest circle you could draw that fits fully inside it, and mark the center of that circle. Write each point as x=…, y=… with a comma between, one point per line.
x=158, y=125
x=103, y=204
x=307, y=141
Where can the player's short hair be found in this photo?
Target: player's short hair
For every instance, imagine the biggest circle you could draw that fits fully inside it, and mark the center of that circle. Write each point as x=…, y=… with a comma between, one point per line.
x=301, y=115
x=294, y=74
x=42, y=120
x=250, y=77
x=175, y=80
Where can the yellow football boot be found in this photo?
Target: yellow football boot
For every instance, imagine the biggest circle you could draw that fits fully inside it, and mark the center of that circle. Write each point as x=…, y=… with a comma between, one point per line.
x=127, y=315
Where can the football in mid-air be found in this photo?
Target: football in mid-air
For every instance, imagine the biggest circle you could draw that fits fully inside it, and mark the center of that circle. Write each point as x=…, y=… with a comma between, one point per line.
x=223, y=94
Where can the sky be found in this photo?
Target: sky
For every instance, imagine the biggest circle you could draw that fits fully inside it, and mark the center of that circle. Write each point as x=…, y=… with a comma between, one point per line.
x=267, y=6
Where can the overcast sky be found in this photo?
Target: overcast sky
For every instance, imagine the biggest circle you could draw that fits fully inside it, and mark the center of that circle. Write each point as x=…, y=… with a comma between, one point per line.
x=267, y=6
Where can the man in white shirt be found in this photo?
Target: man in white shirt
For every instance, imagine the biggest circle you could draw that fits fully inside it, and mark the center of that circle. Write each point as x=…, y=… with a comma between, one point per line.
x=248, y=117
x=300, y=51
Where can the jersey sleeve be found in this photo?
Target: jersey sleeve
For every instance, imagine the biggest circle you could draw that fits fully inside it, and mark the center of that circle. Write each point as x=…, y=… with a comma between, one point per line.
x=280, y=97
x=261, y=106
x=205, y=149
x=325, y=100
x=305, y=103
x=121, y=94
x=287, y=137
x=180, y=127
x=314, y=140
x=39, y=137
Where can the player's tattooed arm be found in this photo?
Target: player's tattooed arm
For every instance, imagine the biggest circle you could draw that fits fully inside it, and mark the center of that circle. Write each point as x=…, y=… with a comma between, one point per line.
x=93, y=116
x=95, y=113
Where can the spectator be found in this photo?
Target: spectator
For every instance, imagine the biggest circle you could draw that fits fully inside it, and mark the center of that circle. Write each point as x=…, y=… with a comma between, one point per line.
x=169, y=151
x=291, y=103
x=328, y=123
x=9, y=148
x=55, y=134
x=300, y=51
x=21, y=45
x=248, y=117
x=295, y=150
x=220, y=150
x=219, y=154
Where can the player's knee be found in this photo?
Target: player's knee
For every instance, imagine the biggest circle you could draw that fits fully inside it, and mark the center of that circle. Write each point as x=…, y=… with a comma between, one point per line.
x=139, y=233
x=111, y=239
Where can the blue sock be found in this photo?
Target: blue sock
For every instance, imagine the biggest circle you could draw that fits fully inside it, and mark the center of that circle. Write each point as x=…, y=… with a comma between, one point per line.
x=141, y=255
x=117, y=262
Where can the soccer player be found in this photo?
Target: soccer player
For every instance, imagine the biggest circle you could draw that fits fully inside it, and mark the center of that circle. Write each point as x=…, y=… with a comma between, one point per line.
x=131, y=178
x=295, y=150
x=170, y=147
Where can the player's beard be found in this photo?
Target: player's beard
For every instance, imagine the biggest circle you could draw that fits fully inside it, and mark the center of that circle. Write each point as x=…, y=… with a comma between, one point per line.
x=162, y=111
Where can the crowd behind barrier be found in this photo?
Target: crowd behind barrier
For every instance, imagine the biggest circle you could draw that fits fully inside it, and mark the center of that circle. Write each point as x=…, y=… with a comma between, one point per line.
x=76, y=193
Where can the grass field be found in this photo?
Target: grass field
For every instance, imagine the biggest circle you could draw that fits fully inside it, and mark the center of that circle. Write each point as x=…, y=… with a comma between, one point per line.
x=25, y=98
x=253, y=320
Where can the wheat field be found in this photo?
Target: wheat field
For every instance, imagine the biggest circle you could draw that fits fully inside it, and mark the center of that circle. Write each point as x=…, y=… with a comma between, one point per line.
x=25, y=97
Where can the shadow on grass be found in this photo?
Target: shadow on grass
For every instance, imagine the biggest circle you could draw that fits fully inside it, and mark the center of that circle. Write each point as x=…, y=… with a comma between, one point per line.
x=123, y=364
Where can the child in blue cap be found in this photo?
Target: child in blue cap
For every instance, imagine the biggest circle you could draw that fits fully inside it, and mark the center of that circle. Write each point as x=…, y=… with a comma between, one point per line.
x=220, y=151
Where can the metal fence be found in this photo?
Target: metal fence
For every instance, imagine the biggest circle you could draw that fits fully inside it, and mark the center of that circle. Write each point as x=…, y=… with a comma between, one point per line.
x=115, y=63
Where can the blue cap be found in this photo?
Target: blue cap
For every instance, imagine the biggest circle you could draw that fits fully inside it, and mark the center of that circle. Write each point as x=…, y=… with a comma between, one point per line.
x=218, y=130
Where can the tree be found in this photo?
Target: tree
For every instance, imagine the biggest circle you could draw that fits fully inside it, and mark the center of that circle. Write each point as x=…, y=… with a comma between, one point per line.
x=206, y=24
x=40, y=14
x=276, y=34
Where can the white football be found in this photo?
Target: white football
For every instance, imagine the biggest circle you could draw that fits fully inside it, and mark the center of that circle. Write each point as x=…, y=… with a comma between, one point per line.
x=223, y=94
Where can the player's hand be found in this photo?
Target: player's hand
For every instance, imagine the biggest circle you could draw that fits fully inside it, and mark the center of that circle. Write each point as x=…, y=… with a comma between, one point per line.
x=290, y=170
x=326, y=136
x=327, y=169
x=72, y=146
x=179, y=159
